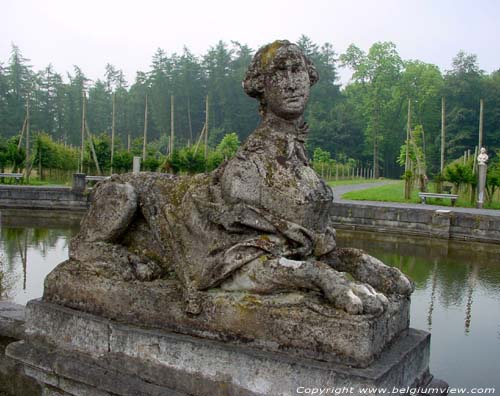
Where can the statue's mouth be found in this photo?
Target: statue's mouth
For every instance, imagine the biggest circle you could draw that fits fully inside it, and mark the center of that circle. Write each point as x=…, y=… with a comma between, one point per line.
x=294, y=99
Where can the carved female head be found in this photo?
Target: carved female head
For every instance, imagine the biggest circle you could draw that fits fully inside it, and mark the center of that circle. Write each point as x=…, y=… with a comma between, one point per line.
x=280, y=76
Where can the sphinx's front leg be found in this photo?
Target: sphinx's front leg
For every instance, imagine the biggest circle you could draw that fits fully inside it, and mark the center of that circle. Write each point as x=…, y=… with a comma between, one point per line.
x=368, y=269
x=113, y=208
x=268, y=276
x=112, y=261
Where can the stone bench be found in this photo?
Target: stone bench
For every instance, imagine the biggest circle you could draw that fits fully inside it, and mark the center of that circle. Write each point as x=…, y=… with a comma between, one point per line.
x=424, y=196
x=17, y=176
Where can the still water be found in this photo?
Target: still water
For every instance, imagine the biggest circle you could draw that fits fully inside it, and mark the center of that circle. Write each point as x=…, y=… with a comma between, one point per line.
x=457, y=295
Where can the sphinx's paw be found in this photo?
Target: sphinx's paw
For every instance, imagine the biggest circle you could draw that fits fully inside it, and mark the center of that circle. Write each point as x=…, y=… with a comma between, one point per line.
x=357, y=298
x=398, y=283
x=388, y=280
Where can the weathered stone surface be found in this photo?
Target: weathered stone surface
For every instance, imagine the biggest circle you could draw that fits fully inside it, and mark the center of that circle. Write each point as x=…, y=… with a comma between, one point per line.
x=11, y=320
x=13, y=380
x=155, y=362
x=292, y=323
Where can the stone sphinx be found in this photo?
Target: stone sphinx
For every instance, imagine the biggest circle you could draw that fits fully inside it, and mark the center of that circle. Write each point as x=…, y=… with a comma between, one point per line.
x=246, y=252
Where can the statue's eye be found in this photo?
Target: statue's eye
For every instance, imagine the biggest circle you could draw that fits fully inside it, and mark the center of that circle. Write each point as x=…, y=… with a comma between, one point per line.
x=298, y=67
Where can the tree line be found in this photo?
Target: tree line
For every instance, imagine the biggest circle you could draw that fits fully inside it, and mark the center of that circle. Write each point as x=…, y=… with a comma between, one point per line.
x=364, y=122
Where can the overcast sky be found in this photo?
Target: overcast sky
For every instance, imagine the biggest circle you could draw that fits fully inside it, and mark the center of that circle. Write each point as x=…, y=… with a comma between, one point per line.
x=126, y=33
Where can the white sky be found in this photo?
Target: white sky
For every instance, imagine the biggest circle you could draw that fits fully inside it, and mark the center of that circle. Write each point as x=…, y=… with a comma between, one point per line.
x=126, y=33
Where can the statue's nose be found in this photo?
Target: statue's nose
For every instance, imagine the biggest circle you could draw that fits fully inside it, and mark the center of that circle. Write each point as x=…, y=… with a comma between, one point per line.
x=292, y=83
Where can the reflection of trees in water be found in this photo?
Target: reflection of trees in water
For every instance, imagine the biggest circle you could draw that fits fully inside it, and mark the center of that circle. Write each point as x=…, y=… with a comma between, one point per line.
x=450, y=271
x=15, y=243
x=7, y=281
x=433, y=296
x=14, y=240
x=470, y=292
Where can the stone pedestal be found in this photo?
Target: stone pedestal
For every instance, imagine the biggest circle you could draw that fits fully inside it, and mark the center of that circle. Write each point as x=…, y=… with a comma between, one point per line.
x=298, y=324
x=481, y=184
x=79, y=183
x=74, y=353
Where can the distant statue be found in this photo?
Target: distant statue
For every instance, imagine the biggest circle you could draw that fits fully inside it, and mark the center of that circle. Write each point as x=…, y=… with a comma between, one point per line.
x=482, y=158
x=259, y=223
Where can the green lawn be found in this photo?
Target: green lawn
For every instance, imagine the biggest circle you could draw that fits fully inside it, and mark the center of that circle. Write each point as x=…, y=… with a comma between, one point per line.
x=394, y=192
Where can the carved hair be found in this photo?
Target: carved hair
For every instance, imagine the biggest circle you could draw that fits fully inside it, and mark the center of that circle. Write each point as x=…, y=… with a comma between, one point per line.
x=254, y=81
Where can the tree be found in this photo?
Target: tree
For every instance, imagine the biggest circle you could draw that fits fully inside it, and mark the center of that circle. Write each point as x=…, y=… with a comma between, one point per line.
x=422, y=84
x=492, y=180
x=228, y=146
x=417, y=164
x=463, y=89
x=99, y=108
x=72, y=107
x=19, y=78
x=325, y=130
x=378, y=73
x=459, y=174
x=47, y=107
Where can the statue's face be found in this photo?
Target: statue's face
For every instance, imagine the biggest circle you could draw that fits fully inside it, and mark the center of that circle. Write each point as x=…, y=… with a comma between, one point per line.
x=287, y=84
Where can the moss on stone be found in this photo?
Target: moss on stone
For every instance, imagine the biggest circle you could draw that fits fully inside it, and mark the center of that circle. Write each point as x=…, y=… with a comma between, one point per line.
x=269, y=52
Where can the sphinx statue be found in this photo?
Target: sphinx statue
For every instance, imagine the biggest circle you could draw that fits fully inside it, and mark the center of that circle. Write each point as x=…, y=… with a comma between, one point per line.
x=258, y=227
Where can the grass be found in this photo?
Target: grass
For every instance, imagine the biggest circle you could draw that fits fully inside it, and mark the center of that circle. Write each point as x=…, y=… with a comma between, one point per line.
x=334, y=183
x=394, y=192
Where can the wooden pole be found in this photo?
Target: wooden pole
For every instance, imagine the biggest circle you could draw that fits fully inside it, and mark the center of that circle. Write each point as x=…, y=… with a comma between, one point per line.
x=27, y=165
x=113, y=132
x=83, y=131
x=407, y=160
x=189, y=120
x=443, y=131
x=92, y=149
x=128, y=142
x=408, y=127
x=481, y=111
x=22, y=133
x=144, y=143
x=206, y=127
x=172, y=132
x=202, y=134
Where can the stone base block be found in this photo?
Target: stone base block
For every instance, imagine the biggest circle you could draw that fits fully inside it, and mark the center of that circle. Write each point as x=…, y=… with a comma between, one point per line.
x=299, y=324
x=74, y=353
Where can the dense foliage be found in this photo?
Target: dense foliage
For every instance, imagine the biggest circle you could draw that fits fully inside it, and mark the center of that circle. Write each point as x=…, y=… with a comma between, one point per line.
x=364, y=123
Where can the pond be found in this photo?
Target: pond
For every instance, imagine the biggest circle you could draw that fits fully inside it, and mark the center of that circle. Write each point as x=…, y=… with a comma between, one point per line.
x=457, y=295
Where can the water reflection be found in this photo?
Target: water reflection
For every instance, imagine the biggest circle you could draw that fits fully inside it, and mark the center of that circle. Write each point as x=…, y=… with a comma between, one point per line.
x=457, y=297
x=31, y=244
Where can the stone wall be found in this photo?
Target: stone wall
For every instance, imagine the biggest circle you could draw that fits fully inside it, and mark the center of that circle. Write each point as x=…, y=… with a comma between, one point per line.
x=428, y=222
x=13, y=381
x=35, y=197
